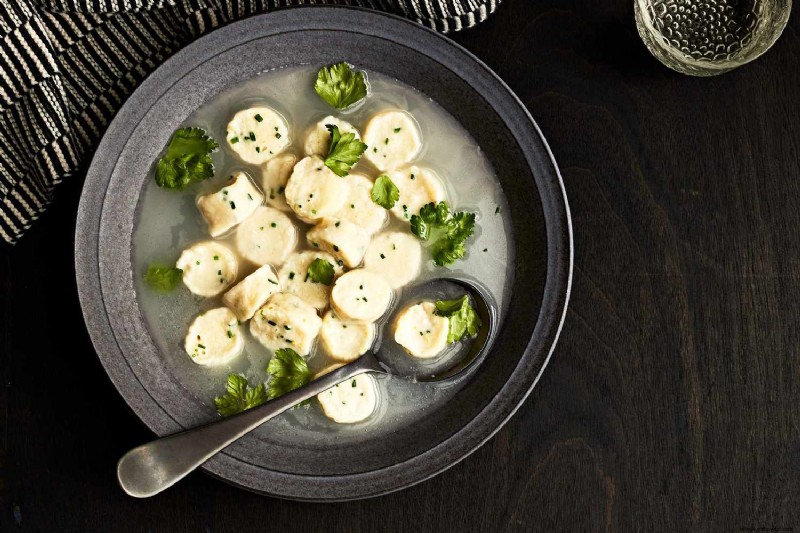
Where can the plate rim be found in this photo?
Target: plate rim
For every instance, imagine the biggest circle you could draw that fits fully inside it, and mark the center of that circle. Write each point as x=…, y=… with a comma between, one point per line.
x=559, y=230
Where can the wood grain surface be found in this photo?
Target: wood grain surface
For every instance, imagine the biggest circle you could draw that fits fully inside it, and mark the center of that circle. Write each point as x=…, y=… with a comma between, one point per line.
x=672, y=402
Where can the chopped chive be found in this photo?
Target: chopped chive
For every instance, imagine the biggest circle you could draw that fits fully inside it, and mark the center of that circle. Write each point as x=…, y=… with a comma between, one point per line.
x=386, y=141
x=497, y=210
x=383, y=256
x=353, y=383
x=252, y=136
x=234, y=140
x=272, y=281
x=277, y=135
x=233, y=205
x=337, y=224
x=271, y=323
x=335, y=248
x=258, y=118
x=291, y=275
x=216, y=258
x=397, y=130
x=201, y=346
x=274, y=224
x=287, y=328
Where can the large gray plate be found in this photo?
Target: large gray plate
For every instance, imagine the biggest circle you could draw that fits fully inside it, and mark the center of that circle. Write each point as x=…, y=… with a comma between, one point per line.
x=455, y=79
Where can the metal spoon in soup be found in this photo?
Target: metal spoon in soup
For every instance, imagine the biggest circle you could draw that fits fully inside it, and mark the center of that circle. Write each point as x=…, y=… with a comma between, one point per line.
x=153, y=467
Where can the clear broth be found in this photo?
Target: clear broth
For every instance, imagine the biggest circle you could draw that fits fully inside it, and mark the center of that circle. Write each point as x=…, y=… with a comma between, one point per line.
x=169, y=222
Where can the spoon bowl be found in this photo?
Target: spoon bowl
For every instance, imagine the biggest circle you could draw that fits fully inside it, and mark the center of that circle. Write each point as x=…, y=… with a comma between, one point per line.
x=458, y=357
x=153, y=467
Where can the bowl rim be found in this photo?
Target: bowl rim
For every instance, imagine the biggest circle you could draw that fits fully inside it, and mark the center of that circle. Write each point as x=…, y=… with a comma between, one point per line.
x=555, y=208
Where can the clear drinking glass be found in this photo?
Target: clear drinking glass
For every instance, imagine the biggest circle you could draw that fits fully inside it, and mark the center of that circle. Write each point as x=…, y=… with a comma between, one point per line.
x=709, y=37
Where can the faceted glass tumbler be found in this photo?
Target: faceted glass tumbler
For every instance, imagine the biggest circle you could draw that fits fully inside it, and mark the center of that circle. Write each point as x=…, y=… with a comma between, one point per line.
x=709, y=37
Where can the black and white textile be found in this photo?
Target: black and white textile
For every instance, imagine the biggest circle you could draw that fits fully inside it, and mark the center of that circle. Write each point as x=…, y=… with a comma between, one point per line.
x=66, y=66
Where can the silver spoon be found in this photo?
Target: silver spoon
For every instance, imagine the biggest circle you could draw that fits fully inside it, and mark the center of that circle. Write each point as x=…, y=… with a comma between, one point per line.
x=153, y=467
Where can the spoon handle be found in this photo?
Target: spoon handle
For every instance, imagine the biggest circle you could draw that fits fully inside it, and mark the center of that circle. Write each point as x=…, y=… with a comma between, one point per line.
x=149, y=469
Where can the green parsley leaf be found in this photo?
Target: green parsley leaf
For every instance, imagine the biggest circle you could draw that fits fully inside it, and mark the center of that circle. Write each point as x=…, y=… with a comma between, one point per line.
x=447, y=251
x=430, y=215
x=436, y=214
x=239, y=396
x=384, y=192
x=288, y=372
x=186, y=160
x=451, y=231
x=462, y=319
x=420, y=228
x=163, y=278
x=345, y=151
x=461, y=226
x=320, y=271
x=340, y=86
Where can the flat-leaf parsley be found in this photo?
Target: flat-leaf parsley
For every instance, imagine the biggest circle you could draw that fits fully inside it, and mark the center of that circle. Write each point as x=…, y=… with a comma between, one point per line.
x=384, y=192
x=462, y=319
x=449, y=231
x=187, y=159
x=344, y=152
x=288, y=372
x=320, y=271
x=340, y=86
x=163, y=277
x=239, y=396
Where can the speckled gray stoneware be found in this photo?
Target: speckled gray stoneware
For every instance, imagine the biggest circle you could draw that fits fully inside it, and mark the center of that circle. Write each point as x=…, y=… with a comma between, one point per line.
x=467, y=89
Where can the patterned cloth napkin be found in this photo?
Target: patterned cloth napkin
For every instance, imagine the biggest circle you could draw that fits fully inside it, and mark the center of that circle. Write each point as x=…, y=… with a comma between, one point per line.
x=66, y=66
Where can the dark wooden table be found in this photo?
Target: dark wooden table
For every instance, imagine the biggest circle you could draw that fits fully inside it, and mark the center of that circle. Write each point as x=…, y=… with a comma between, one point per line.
x=672, y=402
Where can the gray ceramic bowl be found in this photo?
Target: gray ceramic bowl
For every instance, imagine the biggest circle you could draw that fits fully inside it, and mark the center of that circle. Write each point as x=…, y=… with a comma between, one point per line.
x=467, y=89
